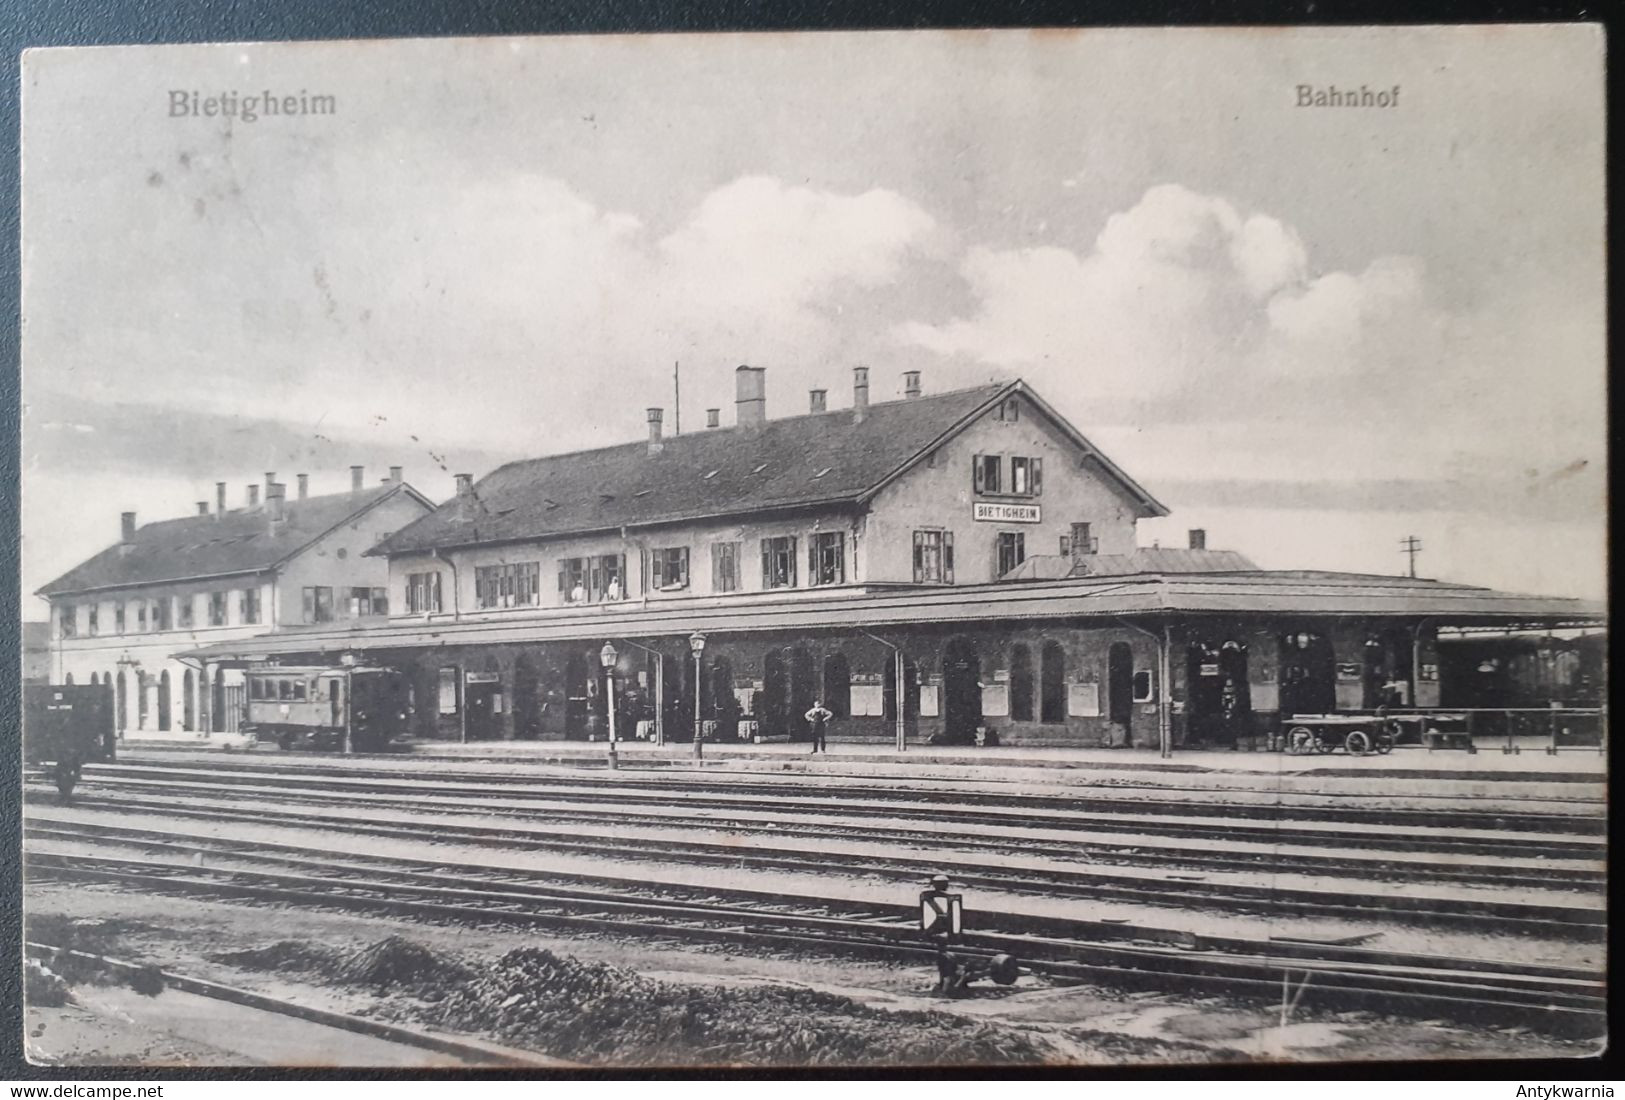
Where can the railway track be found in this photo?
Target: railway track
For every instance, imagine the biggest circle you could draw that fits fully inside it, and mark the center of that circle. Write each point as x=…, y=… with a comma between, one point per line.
x=1556, y=998
x=1576, y=817
x=1105, y=885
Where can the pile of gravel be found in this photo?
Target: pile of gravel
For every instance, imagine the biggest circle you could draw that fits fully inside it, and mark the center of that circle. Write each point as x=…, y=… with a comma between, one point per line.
x=285, y=956
x=589, y=1012
x=398, y=961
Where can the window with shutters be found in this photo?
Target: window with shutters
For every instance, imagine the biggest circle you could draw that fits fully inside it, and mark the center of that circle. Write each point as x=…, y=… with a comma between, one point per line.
x=1012, y=551
x=1026, y=476
x=92, y=623
x=511, y=584
x=724, y=567
x=985, y=473
x=668, y=568
x=217, y=609
x=826, y=558
x=594, y=579
x=319, y=603
x=249, y=605
x=187, y=608
x=1082, y=541
x=67, y=617
x=163, y=614
x=423, y=593
x=779, y=562
x=934, y=557
x=141, y=616
x=118, y=618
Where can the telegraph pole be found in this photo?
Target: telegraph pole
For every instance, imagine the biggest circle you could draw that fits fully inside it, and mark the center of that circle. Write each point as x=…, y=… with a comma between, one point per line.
x=1411, y=546
x=677, y=397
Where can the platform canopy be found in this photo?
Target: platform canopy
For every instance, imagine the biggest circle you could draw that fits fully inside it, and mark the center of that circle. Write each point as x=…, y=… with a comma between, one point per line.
x=1145, y=597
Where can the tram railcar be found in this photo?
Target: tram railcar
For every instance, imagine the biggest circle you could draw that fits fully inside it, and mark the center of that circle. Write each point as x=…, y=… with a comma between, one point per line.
x=67, y=726
x=326, y=709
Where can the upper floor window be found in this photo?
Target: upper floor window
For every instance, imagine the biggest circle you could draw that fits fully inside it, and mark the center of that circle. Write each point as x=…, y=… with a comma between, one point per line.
x=514, y=584
x=1009, y=410
x=162, y=614
x=187, y=612
x=1012, y=551
x=249, y=605
x=589, y=580
x=118, y=618
x=934, y=557
x=668, y=568
x=985, y=470
x=1082, y=540
x=826, y=558
x=422, y=593
x=1026, y=476
x=779, y=562
x=725, y=567
x=91, y=622
x=319, y=604
x=368, y=601
x=141, y=616
x=217, y=609
x=68, y=618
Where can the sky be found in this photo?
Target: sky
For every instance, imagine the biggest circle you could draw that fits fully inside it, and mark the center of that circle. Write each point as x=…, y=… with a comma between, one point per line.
x=1312, y=331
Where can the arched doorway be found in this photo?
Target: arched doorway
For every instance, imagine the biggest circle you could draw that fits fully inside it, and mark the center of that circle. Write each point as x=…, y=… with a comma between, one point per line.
x=724, y=705
x=163, y=700
x=1021, y=684
x=838, y=685
x=961, y=690
x=1052, y=691
x=579, y=691
x=527, y=703
x=803, y=693
x=188, y=701
x=143, y=700
x=217, y=701
x=1308, y=674
x=1120, y=693
x=775, y=694
x=120, y=701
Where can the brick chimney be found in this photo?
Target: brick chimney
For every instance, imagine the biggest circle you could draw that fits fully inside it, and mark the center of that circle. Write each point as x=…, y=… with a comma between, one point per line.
x=304, y=486
x=357, y=476
x=202, y=507
x=655, y=417
x=270, y=480
x=817, y=400
x=750, y=397
x=911, y=383
x=253, y=496
x=1198, y=538
x=219, y=499
x=713, y=418
x=860, y=394
x=394, y=475
x=126, y=528
x=274, y=504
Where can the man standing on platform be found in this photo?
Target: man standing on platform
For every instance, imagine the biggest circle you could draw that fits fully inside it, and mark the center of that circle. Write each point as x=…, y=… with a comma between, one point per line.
x=819, y=717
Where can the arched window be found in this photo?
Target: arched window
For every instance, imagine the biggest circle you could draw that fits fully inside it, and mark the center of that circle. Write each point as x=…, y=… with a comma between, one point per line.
x=163, y=700
x=1052, y=680
x=838, y=685
x=1021, y=684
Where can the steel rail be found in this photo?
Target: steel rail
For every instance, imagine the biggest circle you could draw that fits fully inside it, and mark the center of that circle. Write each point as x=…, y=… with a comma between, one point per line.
x=1473, y=998
x=1535, y=917
x=1069, y=929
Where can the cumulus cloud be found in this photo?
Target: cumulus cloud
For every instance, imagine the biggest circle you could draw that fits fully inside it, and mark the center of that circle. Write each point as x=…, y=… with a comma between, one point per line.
x=1179, y=289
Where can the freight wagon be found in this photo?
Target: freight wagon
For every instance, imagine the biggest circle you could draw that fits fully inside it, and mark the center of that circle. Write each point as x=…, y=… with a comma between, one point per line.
x=66, y=727
x=347, y=709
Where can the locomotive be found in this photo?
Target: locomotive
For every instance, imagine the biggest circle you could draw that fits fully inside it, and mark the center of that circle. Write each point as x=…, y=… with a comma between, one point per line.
x=326, y=709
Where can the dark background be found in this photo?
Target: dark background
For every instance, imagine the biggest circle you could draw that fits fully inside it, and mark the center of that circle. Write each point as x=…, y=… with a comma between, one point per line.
x=108, y=22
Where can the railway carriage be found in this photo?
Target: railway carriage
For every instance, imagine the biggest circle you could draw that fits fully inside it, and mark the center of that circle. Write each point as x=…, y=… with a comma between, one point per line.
x=327, y=709
x=66, y=727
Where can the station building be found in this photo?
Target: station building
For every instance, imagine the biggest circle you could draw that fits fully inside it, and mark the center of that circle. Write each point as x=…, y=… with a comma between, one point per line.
x=937, y=568
x=126, y=616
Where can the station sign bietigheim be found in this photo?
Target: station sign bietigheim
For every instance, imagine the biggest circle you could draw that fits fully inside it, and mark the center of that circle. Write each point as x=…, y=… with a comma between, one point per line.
x=988, y=512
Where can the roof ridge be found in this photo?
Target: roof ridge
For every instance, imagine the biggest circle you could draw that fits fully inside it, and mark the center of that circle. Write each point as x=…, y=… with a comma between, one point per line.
x=991, y=387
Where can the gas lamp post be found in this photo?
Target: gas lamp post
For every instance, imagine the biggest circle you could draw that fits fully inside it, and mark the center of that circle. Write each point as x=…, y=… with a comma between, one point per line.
x=606, y=657
x=696, y=644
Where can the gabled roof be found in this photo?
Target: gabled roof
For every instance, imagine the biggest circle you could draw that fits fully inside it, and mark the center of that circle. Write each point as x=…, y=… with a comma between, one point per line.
x=235, y=542
x=791, y=462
